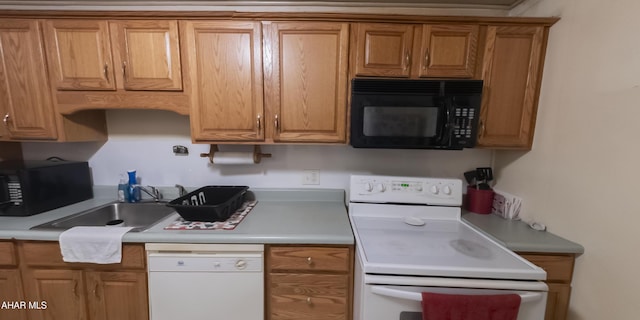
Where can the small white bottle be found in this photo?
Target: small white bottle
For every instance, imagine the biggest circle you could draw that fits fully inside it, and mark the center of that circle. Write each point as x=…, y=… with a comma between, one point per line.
x=123, y=191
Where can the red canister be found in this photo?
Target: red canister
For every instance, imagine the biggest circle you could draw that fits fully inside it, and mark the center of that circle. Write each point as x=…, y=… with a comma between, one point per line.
x=479, y=200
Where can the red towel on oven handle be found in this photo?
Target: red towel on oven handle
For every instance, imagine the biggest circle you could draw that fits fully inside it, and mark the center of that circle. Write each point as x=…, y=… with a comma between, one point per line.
x=437, y=306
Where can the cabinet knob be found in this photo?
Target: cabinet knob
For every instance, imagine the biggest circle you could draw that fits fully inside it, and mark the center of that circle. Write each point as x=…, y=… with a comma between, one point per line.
x=75, y=289
x=407, y=60
x=106, y=71
x=309, y=301
x=258, y=123
x=6, y=119
x=309, y=261
x=124, y=69
x=276, y=122
x=426, y=59
x=95, y=290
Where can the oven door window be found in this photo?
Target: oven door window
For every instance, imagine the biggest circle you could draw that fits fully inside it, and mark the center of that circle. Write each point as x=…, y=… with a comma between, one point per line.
x=397, y=121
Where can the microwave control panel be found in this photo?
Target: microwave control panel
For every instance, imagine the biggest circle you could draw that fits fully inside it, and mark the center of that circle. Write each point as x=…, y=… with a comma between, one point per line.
x=414, y=190
x=465, y=118
x=15, y=190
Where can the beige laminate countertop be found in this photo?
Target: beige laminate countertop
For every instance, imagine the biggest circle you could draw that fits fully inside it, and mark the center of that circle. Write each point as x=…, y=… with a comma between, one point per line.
x=296, y=216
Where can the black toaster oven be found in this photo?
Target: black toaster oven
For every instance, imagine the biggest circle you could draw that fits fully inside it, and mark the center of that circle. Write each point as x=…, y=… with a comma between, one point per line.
x=32, y=187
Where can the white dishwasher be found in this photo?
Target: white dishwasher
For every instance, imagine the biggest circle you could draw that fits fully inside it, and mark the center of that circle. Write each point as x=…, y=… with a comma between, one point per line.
x=205, y=281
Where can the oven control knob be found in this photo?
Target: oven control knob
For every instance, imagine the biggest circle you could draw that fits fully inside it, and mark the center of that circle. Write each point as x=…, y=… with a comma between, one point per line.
x=241, y=264
x=368, y=187
x=446, y=190
x=380, y=187
x=434, y=189
x=419, y=188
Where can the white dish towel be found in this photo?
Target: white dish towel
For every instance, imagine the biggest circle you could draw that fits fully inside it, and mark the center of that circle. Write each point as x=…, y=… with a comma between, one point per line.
x=101, y=245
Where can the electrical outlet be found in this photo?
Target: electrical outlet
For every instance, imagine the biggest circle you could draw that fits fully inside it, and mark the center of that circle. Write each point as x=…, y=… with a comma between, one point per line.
x=311, y=177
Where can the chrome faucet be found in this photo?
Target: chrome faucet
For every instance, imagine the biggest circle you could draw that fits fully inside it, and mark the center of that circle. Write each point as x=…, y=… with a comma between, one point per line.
x=151, y=191
x=181, y=190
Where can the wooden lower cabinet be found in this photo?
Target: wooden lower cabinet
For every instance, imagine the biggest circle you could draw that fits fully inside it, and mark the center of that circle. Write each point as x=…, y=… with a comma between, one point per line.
x=117, y=295
x=61, y=290
x=309, y=296
x=11, y=295
x=82, y=291
x=559, y=268
x=309, y=282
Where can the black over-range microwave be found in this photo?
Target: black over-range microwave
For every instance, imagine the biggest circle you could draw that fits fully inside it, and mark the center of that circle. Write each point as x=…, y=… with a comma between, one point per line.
x=415, y=114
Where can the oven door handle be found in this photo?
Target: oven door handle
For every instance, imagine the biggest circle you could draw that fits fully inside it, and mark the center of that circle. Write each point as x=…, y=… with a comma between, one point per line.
x=417, y=296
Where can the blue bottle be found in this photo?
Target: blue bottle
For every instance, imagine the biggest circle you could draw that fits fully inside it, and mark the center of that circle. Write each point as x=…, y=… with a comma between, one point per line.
x=134, y=193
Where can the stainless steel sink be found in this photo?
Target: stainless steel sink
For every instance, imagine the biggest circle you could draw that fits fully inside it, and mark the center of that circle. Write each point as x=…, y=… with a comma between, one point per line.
x=141, y=216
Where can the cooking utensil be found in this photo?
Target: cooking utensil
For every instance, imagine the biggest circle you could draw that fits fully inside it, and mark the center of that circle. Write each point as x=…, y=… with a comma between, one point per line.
x=484, y=174
x=471, y=177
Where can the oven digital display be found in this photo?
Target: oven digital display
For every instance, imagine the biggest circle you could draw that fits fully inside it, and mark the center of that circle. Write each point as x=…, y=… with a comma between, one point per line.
x=404, y=186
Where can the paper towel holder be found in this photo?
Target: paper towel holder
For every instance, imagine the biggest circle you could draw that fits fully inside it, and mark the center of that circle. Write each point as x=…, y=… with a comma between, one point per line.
x=257, y=153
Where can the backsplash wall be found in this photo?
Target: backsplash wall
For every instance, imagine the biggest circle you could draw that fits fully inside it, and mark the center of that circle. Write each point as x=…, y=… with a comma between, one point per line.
x=143, y=140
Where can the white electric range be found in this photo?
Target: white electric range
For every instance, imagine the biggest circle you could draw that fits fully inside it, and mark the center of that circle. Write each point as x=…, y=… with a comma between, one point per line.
x=410, y=239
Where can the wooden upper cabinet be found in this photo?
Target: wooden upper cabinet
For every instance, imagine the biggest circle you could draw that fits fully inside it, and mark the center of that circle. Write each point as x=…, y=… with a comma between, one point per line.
x=447, y=51
x=79, y=54
x=148, y=53
x=223, y=60
x=412, y=51
x=25, y=96
x=382, y=49
x=511, y=70
x=306, y=80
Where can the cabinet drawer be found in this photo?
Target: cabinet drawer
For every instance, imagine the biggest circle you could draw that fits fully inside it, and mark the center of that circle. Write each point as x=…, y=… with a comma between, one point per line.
x=559, y=268
x=47, y=254
x=8, y=254
x=309, y=258
x=308, y=296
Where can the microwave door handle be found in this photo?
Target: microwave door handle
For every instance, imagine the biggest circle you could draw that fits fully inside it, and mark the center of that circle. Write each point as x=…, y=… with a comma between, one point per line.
x=417, y=296
x=445, y=133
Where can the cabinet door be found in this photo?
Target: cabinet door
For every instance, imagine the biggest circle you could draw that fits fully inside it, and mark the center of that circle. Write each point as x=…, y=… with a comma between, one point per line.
x=223, y=60
x=447, y=51
x=63, y=291
x=308, y=296
x=117, y=295
x=557, y=301
x=383, y=49
x=306, y=80
x=11, y=292
x=25, y=94
x=511, y=72
x=148, y=53
x=79, y=54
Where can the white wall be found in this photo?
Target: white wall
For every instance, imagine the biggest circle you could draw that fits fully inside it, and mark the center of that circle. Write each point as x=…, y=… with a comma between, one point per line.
x=143, y=140
x=581, y=179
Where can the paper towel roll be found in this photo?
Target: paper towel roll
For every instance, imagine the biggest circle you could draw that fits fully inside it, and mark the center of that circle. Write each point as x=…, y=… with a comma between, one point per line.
x=230, y=158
